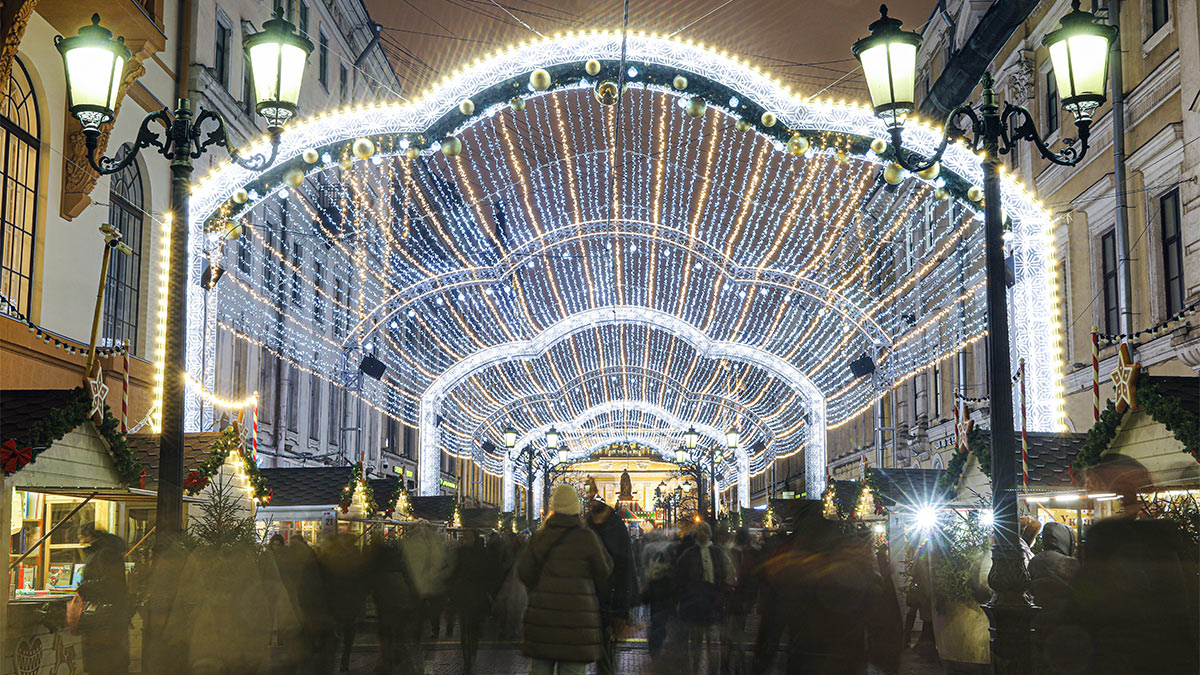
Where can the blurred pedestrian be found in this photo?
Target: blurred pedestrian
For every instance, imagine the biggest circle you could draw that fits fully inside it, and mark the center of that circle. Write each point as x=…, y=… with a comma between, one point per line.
x=1028, y=529
x=1051, y=573
x=658, y=587
x=561, y=566
x=703, y=574
x=345, y=588
x=470, y=594
x=104, y=623
x=616, y=592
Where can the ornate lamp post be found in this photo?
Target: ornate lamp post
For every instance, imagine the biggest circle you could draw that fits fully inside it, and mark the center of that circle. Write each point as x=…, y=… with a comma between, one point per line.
x=1079, y=52
x=94, y=62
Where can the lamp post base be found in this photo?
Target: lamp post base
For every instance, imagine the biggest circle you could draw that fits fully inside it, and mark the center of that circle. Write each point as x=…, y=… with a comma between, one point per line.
x=1011, y=636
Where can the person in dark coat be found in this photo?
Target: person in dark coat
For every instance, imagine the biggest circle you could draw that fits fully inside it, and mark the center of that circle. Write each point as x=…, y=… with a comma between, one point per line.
x=1050, y=574
x=658, y=592
x=342, y=567
x=616, y=592
x=820, y=589
x=104, y=625
x=703, y=577
x=471, y=594
x=561, y=566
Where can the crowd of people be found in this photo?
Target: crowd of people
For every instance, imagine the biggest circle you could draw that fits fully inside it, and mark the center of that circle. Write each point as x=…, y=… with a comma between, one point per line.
x=816, y=598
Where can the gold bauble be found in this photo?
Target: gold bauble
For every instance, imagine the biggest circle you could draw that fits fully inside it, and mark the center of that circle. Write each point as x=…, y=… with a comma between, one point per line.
x=768, y=119
x=467, y=107
x=696, y=107
x=451, y=146
x=540, y=79
x=233, y=230
x=878, y=145
x=345, y=164
x=932, y=172
x=362, y=148
x=680, y=82
x=592, y=66
x=412, y=152
x=606, y=92
x=940, y=194
x=310, y=156
x=842, y=156
x=975, y=193
x=742, y=125
x=893, y=174
x=517, y=104
x=798, y=145
x=240, y=196
x=294, y=177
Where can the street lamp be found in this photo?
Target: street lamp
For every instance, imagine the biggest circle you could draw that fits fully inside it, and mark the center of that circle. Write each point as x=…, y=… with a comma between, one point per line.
x=1079, y=52
x=552, y=438
x=733, y=438
x=94, y=62
x=563, y=455
x=691, y=437
x=510, y=437
x=681, y=455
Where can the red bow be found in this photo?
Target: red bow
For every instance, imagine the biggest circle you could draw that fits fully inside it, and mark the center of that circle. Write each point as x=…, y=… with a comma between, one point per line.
x=195, y=481
x=12, y=458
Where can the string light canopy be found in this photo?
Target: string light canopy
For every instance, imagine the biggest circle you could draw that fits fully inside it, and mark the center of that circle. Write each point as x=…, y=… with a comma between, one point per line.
x=513, y=273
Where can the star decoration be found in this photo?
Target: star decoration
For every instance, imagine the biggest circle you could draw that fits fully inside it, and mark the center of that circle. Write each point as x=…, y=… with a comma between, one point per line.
x=963, y=425
x=1125, y=380
x=98, y=391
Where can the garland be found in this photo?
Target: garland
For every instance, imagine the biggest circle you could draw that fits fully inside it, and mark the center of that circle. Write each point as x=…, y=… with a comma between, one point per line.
x=229, y=441
x=357, y=480
x=58, y=422
x=402, y=507
x=1167, y=411
x=982, y=451
x=849, y=509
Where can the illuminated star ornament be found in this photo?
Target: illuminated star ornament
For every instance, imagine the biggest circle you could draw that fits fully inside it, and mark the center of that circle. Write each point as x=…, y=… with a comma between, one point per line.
x=98, y=391
x=1125, y=380
x=963, y=425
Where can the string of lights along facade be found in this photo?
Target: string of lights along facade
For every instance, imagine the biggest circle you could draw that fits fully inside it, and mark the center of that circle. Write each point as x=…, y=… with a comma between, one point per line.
x=303, y=419
x=1162, y=192
x=614, y=275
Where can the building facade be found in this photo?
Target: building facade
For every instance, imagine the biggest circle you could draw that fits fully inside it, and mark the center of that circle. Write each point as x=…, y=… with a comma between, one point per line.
x=1160, y=65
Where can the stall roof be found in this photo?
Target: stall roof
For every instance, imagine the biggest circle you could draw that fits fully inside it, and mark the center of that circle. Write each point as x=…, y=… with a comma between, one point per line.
x=1050, y=457
x=196, y=448
x=307, y=486
x=384, y=490
x=437, y=508
x=908, y=486
x=20, y=409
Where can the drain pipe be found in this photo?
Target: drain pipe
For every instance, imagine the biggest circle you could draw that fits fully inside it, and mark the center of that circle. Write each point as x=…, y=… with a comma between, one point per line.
x=1124, y=277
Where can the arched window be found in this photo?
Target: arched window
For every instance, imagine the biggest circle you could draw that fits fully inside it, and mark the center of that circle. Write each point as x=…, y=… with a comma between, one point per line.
x=19, y=150
x=122, y=292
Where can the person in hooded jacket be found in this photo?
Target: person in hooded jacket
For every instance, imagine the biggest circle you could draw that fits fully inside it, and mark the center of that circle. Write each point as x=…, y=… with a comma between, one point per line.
x=561, y=566
x=1050, y=574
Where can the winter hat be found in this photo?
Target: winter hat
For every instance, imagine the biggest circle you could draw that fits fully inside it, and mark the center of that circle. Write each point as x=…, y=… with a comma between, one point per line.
x=565, y=500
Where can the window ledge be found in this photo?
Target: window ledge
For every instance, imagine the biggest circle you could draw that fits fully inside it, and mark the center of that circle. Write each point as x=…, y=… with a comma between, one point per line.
x=1151, y=42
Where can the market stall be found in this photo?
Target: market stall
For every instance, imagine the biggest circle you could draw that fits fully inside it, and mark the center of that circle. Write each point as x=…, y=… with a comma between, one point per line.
x=313, y=501
x=65, y=465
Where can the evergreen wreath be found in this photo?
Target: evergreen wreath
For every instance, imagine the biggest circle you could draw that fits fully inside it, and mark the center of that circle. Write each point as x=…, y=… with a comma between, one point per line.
x=229, y=441
x=1167, y=411
x=58, y=422
x=356, y=479
x=948, y=482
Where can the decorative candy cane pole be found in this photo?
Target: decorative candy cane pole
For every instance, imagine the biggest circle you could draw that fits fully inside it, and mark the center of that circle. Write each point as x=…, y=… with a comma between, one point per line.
x=1024, y=436
x=254, y=439
x=1096, y=373
x=125, y=389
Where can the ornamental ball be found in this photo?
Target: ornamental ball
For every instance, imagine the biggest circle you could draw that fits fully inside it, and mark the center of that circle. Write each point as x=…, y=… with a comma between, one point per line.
x=294, y=178
x=798, y=145
x=696, y=107
x=467, y=107
x=940, y=194
x=451, y=146
x=606, y=92
x=842, y=157
x=742, y=125
x=932, y=172
x=412, y=152
x=517, y=104
x=362, y=148
x=233, y=230
x=680, y=82
x=240, y=196
x=310, y=156
x=878, y=145
x=768, y=119
x=975, y=193
x=592, y=66
x=540, y=79
x=893, y=174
